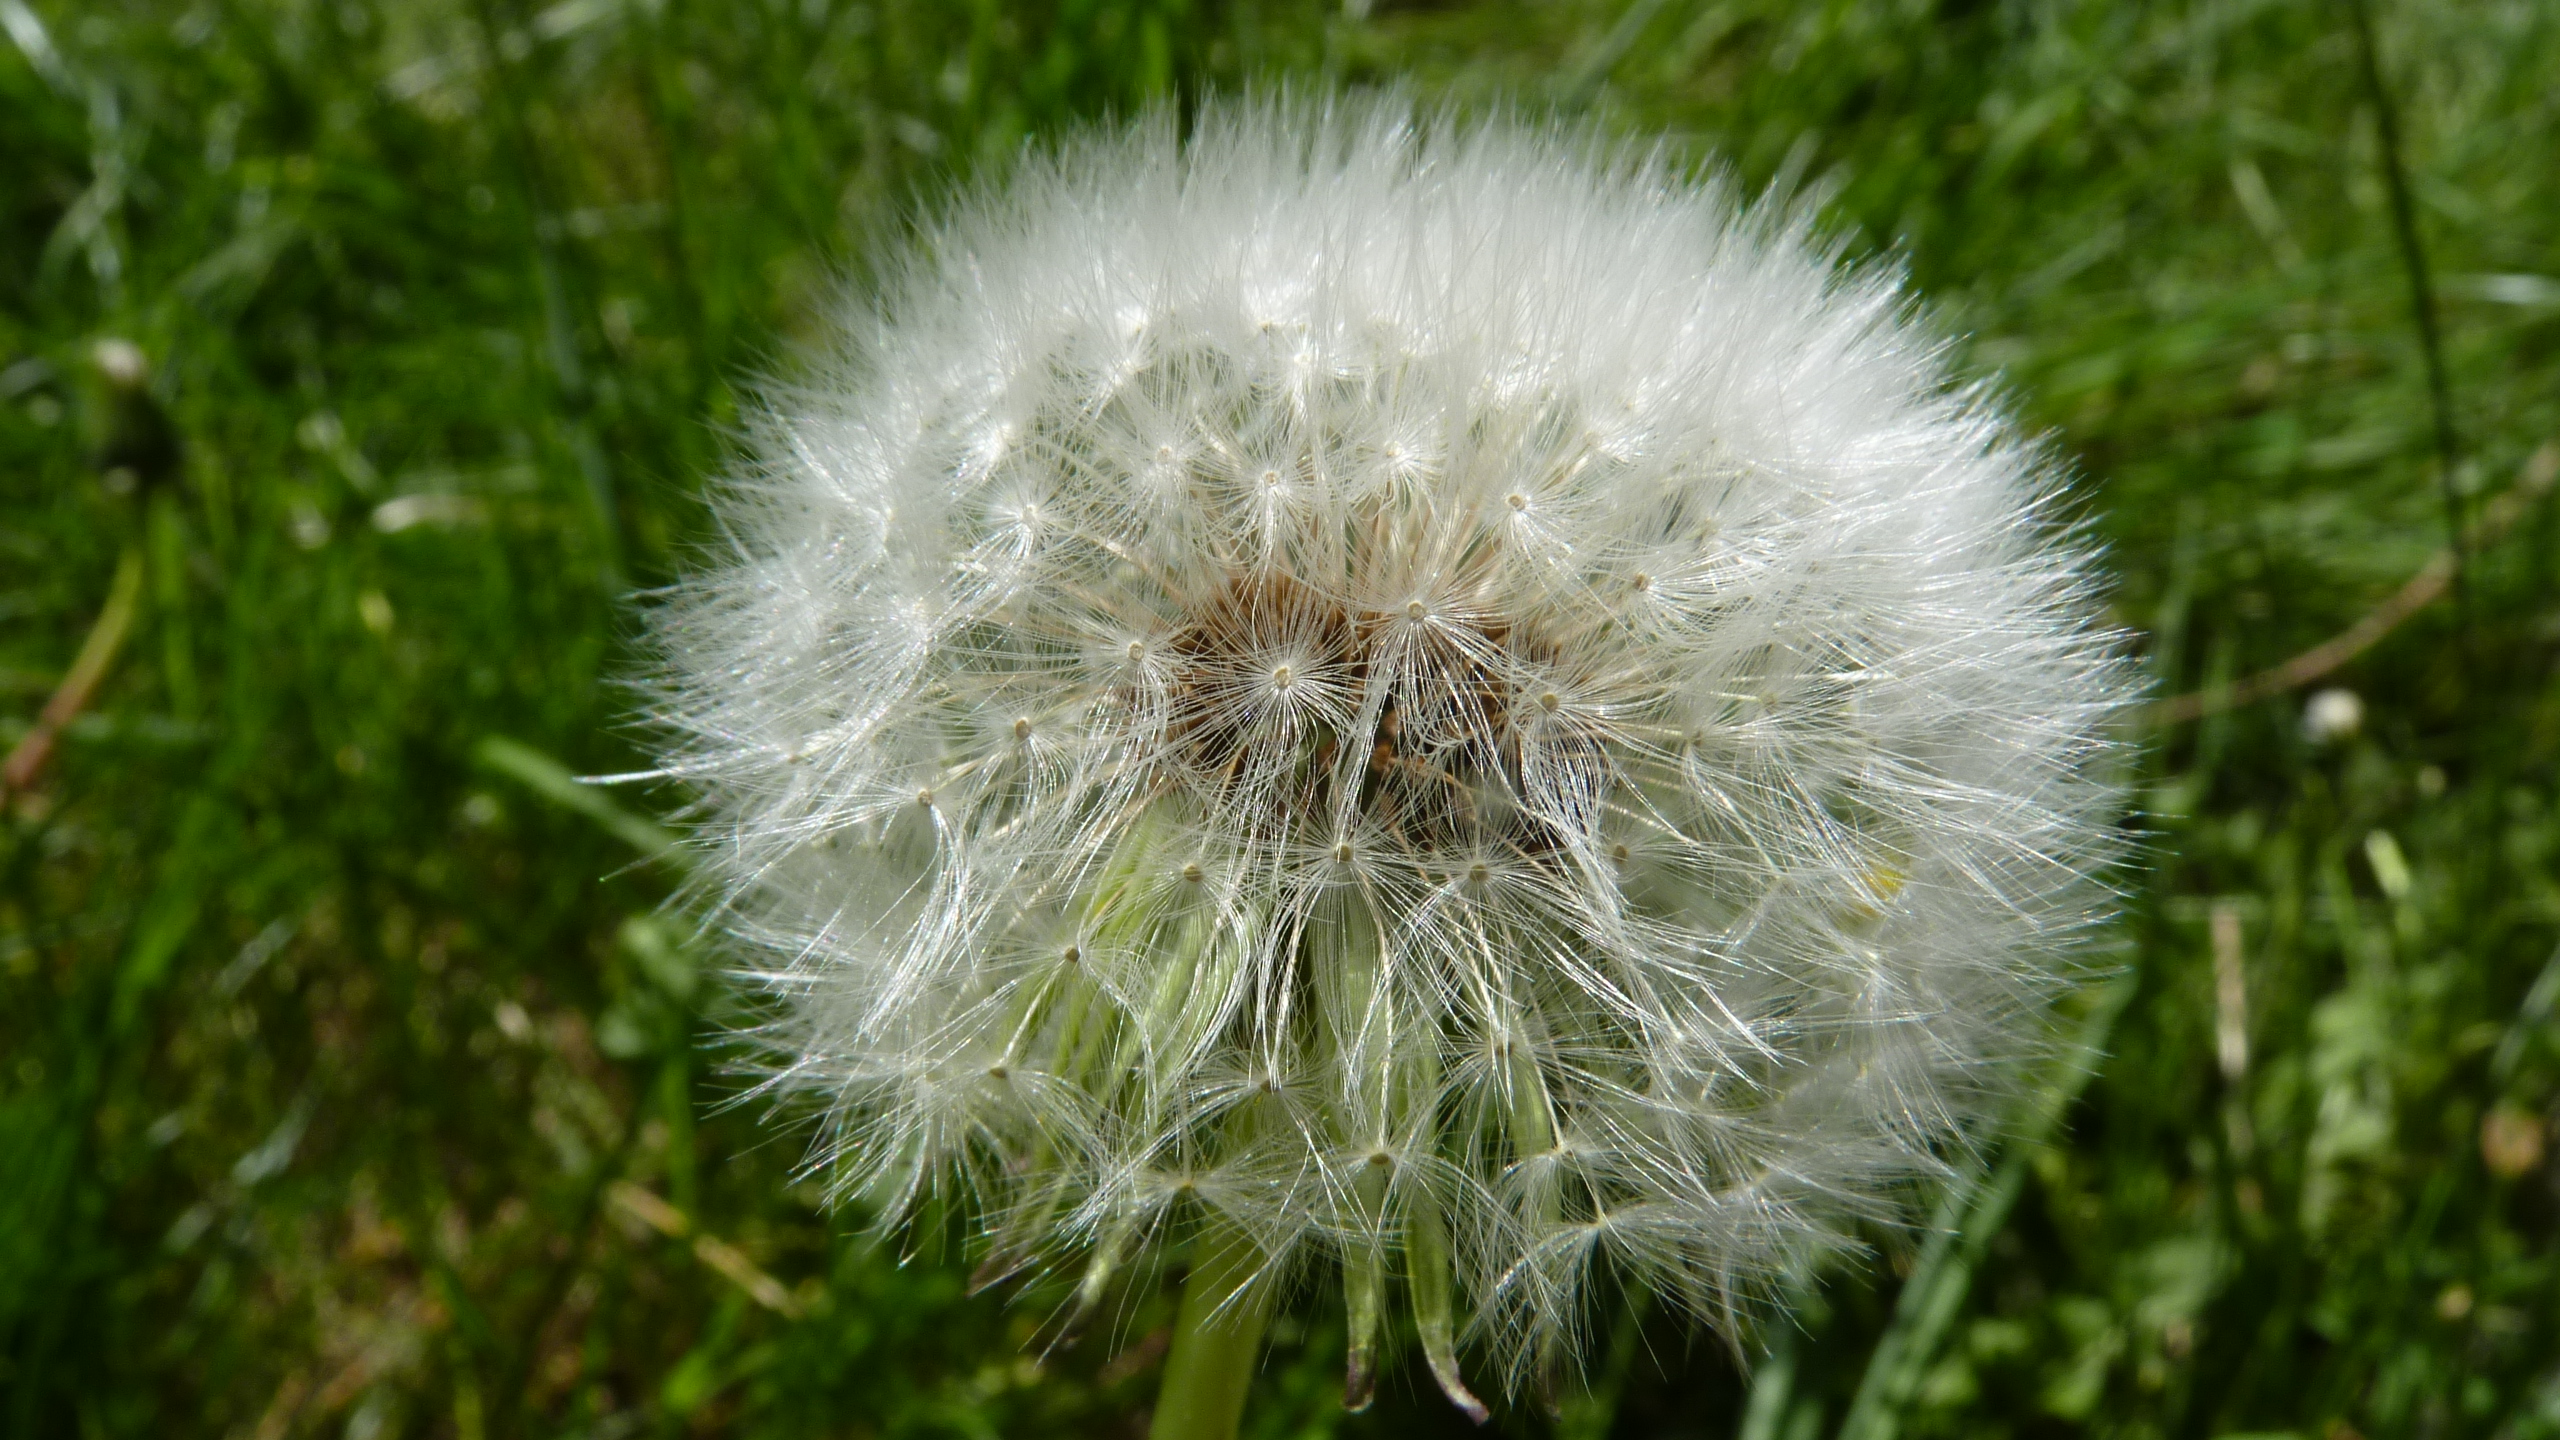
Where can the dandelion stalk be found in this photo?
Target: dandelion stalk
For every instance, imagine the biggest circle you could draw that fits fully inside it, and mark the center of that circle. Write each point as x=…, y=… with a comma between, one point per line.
x=1432, y=708
x=1217, y=1340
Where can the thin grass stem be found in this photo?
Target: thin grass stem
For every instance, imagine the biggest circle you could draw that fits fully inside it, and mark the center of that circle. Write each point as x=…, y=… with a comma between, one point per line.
x=2422, y=301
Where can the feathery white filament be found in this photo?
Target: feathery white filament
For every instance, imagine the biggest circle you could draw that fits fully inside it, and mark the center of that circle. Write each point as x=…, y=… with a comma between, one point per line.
x=1384, y=680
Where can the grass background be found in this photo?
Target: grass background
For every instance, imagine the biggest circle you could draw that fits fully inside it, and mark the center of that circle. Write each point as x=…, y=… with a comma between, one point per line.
x=348, y=1085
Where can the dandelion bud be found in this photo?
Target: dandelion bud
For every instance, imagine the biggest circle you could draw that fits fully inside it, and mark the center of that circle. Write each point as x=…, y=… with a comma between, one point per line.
x=1437, y=702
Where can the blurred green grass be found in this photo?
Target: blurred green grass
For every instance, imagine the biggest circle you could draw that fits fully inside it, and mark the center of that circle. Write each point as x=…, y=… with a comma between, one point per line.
x=352, y=1083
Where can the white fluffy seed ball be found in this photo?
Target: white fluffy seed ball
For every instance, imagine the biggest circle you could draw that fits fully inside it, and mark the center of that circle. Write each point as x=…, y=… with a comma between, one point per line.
x=1434, y=694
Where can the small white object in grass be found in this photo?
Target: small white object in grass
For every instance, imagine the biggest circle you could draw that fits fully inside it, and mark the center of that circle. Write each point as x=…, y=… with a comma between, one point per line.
x=402, y=511
x=121, y=361
x=2334, y=714
x=1460, y=618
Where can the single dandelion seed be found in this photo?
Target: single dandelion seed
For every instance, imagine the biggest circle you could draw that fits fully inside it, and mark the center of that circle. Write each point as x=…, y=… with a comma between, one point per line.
x=1515, y=1062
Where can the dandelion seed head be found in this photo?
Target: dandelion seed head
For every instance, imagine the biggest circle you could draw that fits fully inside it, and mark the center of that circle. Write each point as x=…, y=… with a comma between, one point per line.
x=1378, y=678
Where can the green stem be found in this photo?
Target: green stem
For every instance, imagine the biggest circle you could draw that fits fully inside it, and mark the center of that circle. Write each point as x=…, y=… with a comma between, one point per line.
x=1217, y=1338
